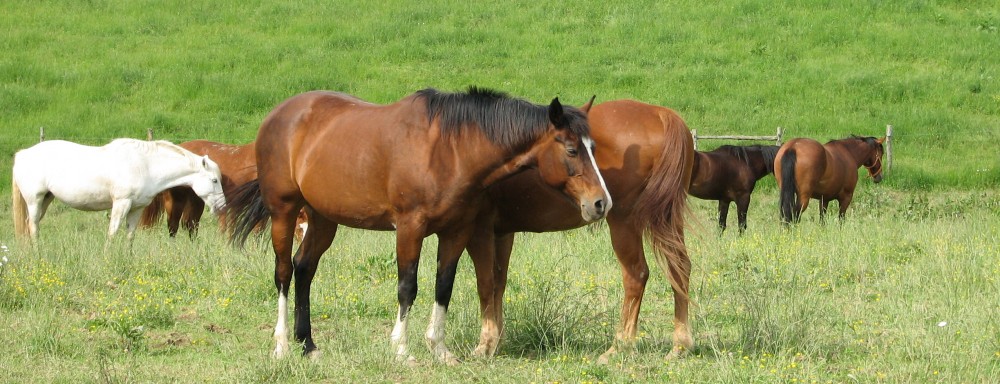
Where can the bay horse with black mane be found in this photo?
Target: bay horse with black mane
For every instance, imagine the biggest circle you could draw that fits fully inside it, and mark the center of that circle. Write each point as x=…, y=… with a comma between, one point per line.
x=807, y=169
x=645, y=154
x=729, y=174
x=419, y=166
x=238, y=166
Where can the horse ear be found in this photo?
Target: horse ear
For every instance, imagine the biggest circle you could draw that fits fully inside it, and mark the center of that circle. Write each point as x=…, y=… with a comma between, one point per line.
x=880, y=141
x=556, y=115
x=586, y=107
x=204, y=161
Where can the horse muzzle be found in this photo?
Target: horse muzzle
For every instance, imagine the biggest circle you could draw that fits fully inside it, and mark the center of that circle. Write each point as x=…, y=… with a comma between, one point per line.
x=596, y=209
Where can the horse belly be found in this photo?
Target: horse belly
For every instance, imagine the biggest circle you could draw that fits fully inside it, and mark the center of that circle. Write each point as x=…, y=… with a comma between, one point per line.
x=84, y=200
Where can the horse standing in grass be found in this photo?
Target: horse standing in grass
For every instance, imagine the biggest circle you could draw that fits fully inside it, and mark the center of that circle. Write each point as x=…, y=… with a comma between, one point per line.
x=729, y=173
x=807, y=169
x=645, y=154
x=238, y=165
x=123, y=176
x=419, y=166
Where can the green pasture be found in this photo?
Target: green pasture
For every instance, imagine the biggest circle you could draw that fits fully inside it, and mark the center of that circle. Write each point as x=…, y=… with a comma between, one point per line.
x=905, y=290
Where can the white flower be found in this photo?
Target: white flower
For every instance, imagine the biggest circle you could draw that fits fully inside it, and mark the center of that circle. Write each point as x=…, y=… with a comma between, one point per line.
x=943, y=323
x=4, y=248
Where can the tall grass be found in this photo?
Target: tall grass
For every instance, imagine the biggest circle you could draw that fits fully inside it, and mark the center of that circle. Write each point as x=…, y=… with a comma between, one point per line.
x=899, y=292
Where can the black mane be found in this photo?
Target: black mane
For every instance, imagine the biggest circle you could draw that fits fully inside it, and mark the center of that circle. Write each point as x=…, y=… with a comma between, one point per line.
x=768, y=152
x=506, y=121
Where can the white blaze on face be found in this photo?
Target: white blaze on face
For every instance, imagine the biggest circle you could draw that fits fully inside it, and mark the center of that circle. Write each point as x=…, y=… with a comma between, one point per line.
x=589, y=144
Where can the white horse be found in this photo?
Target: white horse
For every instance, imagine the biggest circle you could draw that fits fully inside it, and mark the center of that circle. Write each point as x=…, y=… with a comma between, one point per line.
x=123, y=176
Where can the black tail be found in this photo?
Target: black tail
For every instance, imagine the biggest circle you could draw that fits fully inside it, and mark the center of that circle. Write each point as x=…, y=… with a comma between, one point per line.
x=789, y=199
x=245, y=211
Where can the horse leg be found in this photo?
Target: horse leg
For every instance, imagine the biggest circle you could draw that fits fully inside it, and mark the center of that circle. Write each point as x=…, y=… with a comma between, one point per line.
x=132, y=222
x=119, y=210
x=844, y=202
x=742, y=206
x=804, y=196
x=282, y=220
x=483, y=255
x=450, y=246
x=305, y=264
x=626, y=240
x=36, y=208
x=824, y=203
x=195, y=208
x=177, y=206
x=409, y=237
x=723, y=214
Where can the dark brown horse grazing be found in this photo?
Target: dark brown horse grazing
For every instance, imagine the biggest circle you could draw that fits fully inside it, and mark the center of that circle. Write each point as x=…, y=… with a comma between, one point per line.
x=238, y=165
x=807, y=169
x=419, y=166
x=645, y=153
x=729, y=173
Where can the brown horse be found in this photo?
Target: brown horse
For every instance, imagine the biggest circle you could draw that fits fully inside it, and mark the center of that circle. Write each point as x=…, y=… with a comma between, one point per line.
x=419, y=166
x=807, y=169
x=729, y=173
x=238, y=165
x=645, y=154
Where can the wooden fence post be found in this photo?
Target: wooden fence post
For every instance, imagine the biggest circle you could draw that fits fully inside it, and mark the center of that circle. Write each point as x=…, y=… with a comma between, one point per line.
x=888, y=149
x=149, y=134
x=777, y=140
x=694, y=136
x=41, y=134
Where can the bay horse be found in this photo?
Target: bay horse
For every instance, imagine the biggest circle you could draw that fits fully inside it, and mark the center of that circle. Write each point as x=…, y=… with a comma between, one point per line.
x=646, y=155
x=123, y=176
x=729, y=174
x=419, y=166
x=807, y=169
x=238, y=165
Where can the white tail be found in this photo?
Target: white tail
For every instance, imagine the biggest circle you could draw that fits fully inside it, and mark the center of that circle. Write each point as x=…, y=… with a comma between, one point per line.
x=19, y=210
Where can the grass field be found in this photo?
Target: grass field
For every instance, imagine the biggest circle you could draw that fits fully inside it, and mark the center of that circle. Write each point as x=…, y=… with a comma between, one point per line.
x=903, y=291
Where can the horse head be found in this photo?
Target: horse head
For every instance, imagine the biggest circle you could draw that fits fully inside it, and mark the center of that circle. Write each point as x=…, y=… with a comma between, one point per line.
x=206, y=183
x=874, y=161
x=566, y=161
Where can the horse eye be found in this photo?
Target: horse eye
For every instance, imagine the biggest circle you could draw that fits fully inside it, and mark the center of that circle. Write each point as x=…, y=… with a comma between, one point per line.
x=571, y=152
x=215, y=181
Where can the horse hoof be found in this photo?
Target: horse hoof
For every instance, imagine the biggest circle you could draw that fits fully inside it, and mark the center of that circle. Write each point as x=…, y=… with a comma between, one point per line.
x=407, y=360
x=483, y=351
x=314, y=355
x=677, y=353
x=605, y=357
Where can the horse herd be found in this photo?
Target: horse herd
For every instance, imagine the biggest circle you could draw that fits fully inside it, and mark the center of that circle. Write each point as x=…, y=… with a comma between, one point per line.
x=473, y=168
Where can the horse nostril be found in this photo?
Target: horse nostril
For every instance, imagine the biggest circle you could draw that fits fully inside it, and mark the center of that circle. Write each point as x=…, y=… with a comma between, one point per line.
x=599, y=205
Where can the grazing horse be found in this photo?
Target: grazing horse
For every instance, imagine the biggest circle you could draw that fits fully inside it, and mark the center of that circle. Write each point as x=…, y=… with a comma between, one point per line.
x=729, y=173
x=238, y=165
x=419, y=166
x=645, y=154
x=123, y=176
x=807, y=169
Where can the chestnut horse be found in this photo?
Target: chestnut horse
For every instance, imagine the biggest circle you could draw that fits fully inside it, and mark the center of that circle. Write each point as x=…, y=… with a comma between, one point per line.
x=729, y=173
x=419, y=166
x=807, y=169
x=238, y=166
x=645, y=154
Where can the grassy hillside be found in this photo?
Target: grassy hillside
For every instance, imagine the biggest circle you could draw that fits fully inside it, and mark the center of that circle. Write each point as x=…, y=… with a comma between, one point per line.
x=90, y=71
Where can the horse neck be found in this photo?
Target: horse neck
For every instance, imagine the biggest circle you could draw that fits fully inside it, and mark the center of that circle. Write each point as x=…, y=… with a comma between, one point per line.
x=171, y=169
x=758, y=164
x=859, y=150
